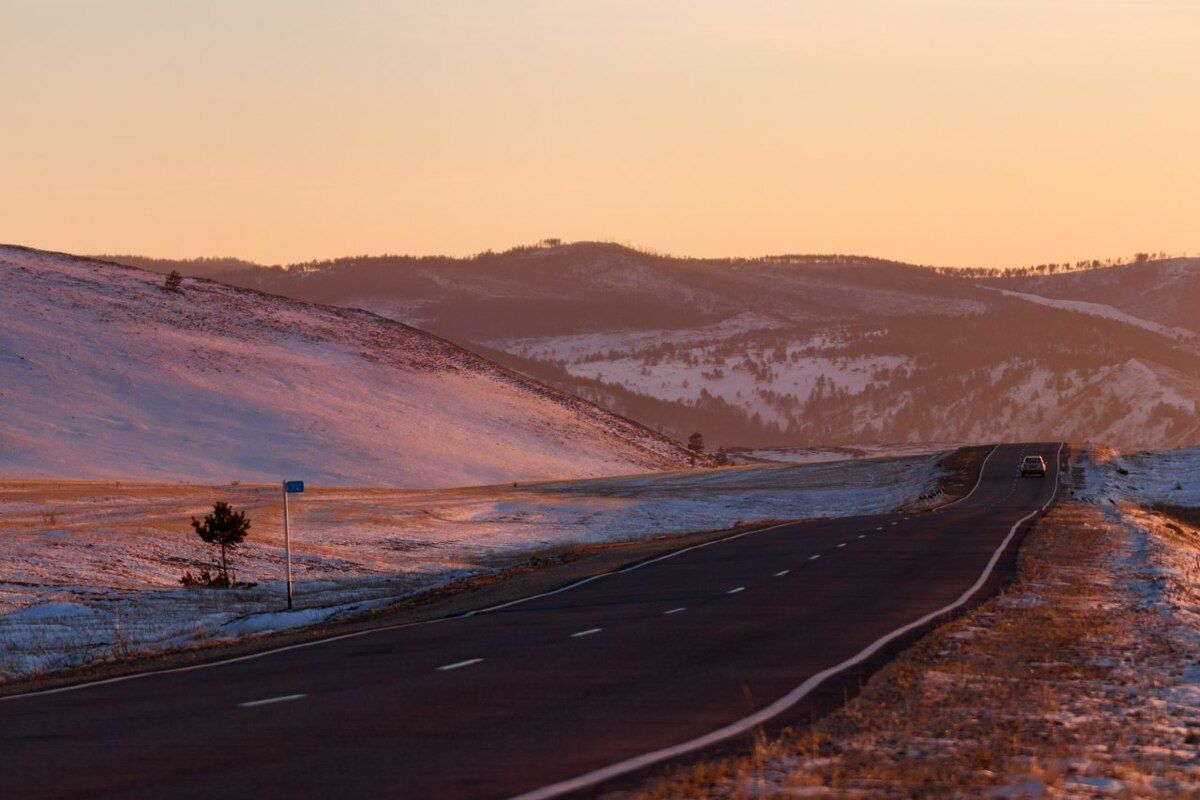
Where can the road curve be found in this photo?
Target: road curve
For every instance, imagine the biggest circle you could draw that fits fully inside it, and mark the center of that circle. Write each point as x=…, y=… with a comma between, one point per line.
x=552, y=695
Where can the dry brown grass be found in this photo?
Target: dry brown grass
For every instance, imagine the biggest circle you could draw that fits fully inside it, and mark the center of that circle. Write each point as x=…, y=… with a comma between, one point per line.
x=1188, y=515
x=960, y=470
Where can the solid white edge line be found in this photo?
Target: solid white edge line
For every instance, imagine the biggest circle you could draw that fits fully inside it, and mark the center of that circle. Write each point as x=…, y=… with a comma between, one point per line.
x=458, y=664
x=978, y=480
x=791, y=698
x=588, y=632
x=270, y=700
x=401, y=625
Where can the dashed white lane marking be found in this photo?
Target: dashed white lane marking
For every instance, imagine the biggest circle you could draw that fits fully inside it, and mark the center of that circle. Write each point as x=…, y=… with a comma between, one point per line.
x=269, y=700
x=458, y=664
x=895, y=523
x=843, y=544
x=862, y=536
x=676, y=610
x=736, y=589
x=879, y=528
x=588, y=632
x=814, y=558
x=789, y=700
x=386, y=628
x=782, y=572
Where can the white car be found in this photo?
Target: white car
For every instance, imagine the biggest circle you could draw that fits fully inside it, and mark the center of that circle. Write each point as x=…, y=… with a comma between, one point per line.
x=1033, y=466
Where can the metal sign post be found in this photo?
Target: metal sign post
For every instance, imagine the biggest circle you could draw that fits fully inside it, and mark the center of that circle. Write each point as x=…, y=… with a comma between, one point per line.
x=289, y=487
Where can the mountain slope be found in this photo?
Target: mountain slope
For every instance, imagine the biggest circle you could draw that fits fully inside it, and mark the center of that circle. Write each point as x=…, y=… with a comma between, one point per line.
x=108, y=375
x=799, y=350
x=1165, y=292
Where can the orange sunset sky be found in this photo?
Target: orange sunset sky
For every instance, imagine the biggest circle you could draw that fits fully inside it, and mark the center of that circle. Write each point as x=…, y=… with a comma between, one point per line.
x=968, y=132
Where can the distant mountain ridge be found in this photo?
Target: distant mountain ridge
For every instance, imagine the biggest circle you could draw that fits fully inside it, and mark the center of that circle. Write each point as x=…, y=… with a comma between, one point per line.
x=806, y=350
x=107, y=374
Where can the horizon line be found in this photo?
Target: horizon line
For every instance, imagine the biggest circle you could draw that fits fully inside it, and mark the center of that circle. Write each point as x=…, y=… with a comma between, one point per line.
x=550, y=243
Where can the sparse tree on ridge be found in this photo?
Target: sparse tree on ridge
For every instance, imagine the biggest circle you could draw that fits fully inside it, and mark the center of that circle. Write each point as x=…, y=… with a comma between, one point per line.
x=173, y=281
x=695, y=446
x=224, y=528
x=721, y=458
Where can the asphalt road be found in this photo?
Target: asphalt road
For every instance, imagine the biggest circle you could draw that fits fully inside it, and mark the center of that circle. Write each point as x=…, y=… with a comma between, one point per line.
x=599, y=680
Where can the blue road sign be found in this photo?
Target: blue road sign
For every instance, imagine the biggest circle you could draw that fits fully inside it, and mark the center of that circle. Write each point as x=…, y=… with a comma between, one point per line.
x=293, y=487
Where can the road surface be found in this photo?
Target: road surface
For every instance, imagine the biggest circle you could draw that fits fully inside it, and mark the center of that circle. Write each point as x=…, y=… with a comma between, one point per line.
x=555, y=694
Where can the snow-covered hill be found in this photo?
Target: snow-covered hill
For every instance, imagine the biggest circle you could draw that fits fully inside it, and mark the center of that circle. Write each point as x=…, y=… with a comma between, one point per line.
x=805, y=351
x=106, y=374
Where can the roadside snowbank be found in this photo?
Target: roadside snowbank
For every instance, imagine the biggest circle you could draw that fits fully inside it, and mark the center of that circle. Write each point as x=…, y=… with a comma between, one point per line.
x=89, y=570
x=1150, y=478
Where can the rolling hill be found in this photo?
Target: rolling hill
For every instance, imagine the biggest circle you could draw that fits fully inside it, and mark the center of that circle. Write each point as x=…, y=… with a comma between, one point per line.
x=1165, y=292
x=106, y=374
x=803, y=350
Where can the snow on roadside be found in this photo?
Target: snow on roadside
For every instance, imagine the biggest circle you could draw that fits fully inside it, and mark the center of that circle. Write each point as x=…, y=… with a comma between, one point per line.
x=89, y=570
x=1154, y=477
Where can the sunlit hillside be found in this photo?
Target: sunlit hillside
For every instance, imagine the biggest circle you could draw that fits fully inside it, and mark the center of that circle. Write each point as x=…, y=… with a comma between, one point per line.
x=108, y=373
x=805, y=349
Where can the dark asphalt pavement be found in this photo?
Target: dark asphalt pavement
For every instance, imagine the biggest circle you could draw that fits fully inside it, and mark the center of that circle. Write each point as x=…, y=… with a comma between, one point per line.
x=524, y=697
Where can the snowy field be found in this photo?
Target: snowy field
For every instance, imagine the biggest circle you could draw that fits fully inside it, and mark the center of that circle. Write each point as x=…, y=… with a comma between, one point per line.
x=1156, y=477
x=89, y=570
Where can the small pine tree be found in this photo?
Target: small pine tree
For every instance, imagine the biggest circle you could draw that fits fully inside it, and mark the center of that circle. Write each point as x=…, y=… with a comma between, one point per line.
x=695, y=446
x=225, y=528
x=721, y=459
x=173, y=281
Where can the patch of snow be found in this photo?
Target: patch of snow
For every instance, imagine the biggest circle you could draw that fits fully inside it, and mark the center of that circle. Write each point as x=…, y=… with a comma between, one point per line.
x=60, y=612
x=817, y=455
x=1102, y=310
x=111, y=588
x=577, y=346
